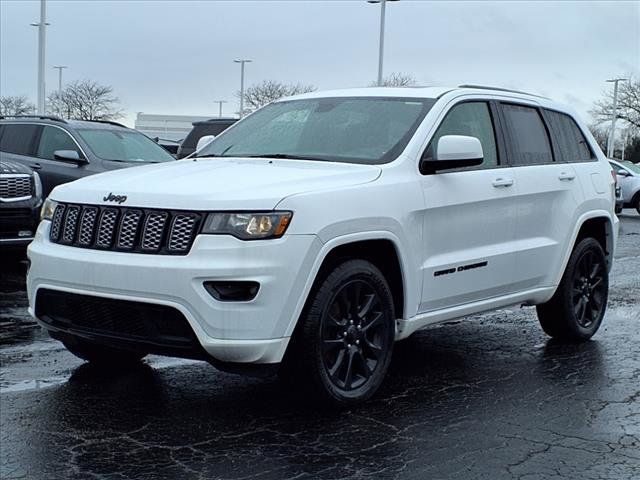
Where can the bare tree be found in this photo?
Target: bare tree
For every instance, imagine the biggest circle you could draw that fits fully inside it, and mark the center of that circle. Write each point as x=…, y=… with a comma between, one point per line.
x=600, y=134
x=267, y=91
x=397, y=79
x=16, y=105
x=628, y=103
x=85, y=100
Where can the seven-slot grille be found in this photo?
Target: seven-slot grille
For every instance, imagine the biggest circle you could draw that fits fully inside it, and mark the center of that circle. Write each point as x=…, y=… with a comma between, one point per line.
x=124, y=229
x=14, y=187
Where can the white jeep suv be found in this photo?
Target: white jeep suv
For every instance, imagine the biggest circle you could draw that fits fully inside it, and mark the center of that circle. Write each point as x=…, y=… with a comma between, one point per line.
x=320, y=229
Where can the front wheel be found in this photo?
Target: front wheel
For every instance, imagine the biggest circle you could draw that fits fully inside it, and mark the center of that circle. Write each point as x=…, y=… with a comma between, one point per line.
x=347, y=333
x=576, y=310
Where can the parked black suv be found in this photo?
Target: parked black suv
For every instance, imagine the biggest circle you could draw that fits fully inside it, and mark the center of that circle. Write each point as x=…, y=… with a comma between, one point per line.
x=64, y=150
x=214, y=126
x=20, y=202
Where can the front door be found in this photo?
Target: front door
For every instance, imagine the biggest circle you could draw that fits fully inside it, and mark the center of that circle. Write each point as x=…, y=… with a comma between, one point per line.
x=469, y=218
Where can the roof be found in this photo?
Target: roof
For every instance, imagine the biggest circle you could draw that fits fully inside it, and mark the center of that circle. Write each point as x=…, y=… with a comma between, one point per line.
x=410, y=92
x=89, y=124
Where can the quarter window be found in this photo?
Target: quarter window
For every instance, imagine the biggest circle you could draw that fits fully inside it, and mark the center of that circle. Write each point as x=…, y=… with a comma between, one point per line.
x=18, y=138
x=53, y=139
x=472, y=119
x=571, y=146
x=528, y=135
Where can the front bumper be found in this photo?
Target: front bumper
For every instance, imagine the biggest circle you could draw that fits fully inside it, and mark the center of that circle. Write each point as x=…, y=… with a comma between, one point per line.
x=256, y=331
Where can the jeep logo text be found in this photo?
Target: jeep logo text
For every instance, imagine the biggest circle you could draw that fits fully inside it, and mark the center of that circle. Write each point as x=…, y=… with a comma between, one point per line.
x=115, y=198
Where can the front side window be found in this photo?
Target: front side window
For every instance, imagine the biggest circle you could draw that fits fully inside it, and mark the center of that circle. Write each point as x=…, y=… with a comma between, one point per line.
x=570, y=143
x=528, y=134
x=123, y=145
x=367, y=130
x=18, y=138
x=472, y=119
x=52, y=139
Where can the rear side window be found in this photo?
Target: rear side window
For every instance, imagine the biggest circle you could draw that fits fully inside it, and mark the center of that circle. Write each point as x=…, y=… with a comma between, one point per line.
x=53, y=139
x=529, y=139
x=571, y=146
x=471, y=119
x=18, y=138
x=201, y=130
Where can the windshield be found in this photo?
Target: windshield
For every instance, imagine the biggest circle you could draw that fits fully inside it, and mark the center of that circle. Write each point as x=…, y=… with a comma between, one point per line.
x=123, y=146
x=368, y=130
x=631, y=166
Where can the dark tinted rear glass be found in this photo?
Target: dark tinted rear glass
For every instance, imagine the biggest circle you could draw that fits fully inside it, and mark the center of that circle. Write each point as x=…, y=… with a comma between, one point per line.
x=528, y=135
x=571, y=146
x=203, y=129
x=18, y=138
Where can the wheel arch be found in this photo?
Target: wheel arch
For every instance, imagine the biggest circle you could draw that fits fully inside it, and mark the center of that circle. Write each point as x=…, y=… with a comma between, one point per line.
x=382, y=248
x=597, y=224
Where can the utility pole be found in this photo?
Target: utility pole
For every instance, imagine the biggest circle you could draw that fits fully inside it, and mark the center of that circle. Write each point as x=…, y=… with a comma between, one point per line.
x=383, y=5
x=60, y=68
x=242, y=62
x=42, y=38
x=219, y=102
x=614, y=115
x=624, y=144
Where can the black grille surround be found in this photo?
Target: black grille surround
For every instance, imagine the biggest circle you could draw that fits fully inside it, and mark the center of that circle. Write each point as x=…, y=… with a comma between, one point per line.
x=125, y=229
x=141, y=326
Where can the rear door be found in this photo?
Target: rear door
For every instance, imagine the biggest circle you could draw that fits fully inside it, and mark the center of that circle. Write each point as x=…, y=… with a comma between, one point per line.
x=55, y=172
x=469, y=217
x=549, y=192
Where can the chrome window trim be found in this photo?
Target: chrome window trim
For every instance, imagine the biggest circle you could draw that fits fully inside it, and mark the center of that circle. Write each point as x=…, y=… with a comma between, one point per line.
x=35, y=155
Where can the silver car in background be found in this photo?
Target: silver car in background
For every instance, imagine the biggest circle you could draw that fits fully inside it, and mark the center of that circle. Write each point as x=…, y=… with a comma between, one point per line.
x=628, y=175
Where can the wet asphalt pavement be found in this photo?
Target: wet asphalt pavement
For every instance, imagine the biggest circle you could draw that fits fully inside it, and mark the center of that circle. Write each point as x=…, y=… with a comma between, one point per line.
x=487, y=397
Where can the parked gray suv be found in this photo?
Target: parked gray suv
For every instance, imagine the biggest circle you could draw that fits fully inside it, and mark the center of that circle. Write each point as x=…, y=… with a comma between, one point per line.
x=64, y=150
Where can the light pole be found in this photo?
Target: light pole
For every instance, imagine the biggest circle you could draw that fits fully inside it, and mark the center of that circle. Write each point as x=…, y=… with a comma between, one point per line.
x=219, y=102
x=383, y=4
x=614, y=115
x=42, y=38
x=242, y=62
x=60, y=68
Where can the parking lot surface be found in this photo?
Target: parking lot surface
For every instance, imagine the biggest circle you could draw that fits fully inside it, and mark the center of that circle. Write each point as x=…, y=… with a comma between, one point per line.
x=485, y=397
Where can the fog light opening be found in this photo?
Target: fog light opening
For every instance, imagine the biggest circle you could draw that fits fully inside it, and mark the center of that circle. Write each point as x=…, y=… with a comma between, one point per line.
x=232, y=291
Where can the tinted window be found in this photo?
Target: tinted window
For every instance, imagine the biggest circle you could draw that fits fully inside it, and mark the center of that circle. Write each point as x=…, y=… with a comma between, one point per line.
x=528, y=135
x=571, y=146
x=52, y=139
x=472, y=119
x=347, y=129
x=18, y=138
x=123, y=145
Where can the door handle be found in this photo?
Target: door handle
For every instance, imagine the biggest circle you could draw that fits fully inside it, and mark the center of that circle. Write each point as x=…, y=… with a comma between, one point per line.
x=568, y=176
x=502, y=182
x=36, y=166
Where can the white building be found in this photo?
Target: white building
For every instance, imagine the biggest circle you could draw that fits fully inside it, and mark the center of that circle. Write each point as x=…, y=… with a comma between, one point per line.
x=166, y=127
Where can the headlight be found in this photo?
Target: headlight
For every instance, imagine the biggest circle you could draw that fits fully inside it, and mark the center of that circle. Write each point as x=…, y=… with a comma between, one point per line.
x=248, y=225
x=48, y=207
x=37, y=185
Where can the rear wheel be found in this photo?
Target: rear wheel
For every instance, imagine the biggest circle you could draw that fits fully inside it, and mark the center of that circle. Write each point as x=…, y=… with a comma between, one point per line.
x=100, y=354
x=347, y=334
x=576, y=310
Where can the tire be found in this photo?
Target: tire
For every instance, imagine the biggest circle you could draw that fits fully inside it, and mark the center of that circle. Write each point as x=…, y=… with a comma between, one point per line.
x=345, y=339
x=102, y=355
x=637, y=205
x=577, y=308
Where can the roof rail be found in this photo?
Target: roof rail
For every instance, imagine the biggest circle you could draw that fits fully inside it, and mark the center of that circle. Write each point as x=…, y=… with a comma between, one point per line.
x=486, y=87
x=41, y=117
x=108, y=122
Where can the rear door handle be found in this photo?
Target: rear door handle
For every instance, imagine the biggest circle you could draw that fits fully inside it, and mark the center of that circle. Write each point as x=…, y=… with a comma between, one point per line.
x=502, y=182
x=36, y=166
x=568, y=176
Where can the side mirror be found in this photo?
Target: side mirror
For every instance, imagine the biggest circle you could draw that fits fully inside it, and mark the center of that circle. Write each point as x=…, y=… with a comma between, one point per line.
x=453, y=151
x=622, y=173
x=68, y=156
x=204, y=141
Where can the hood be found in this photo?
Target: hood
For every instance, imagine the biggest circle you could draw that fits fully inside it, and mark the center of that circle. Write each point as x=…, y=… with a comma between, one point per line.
x=213, y=183
x=9, y=167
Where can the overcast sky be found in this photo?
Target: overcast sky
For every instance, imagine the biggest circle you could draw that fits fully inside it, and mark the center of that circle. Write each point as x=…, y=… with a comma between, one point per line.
x=176, y=57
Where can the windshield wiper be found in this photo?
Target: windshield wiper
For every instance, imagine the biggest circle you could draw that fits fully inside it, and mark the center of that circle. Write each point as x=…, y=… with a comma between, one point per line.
x=284, y=156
